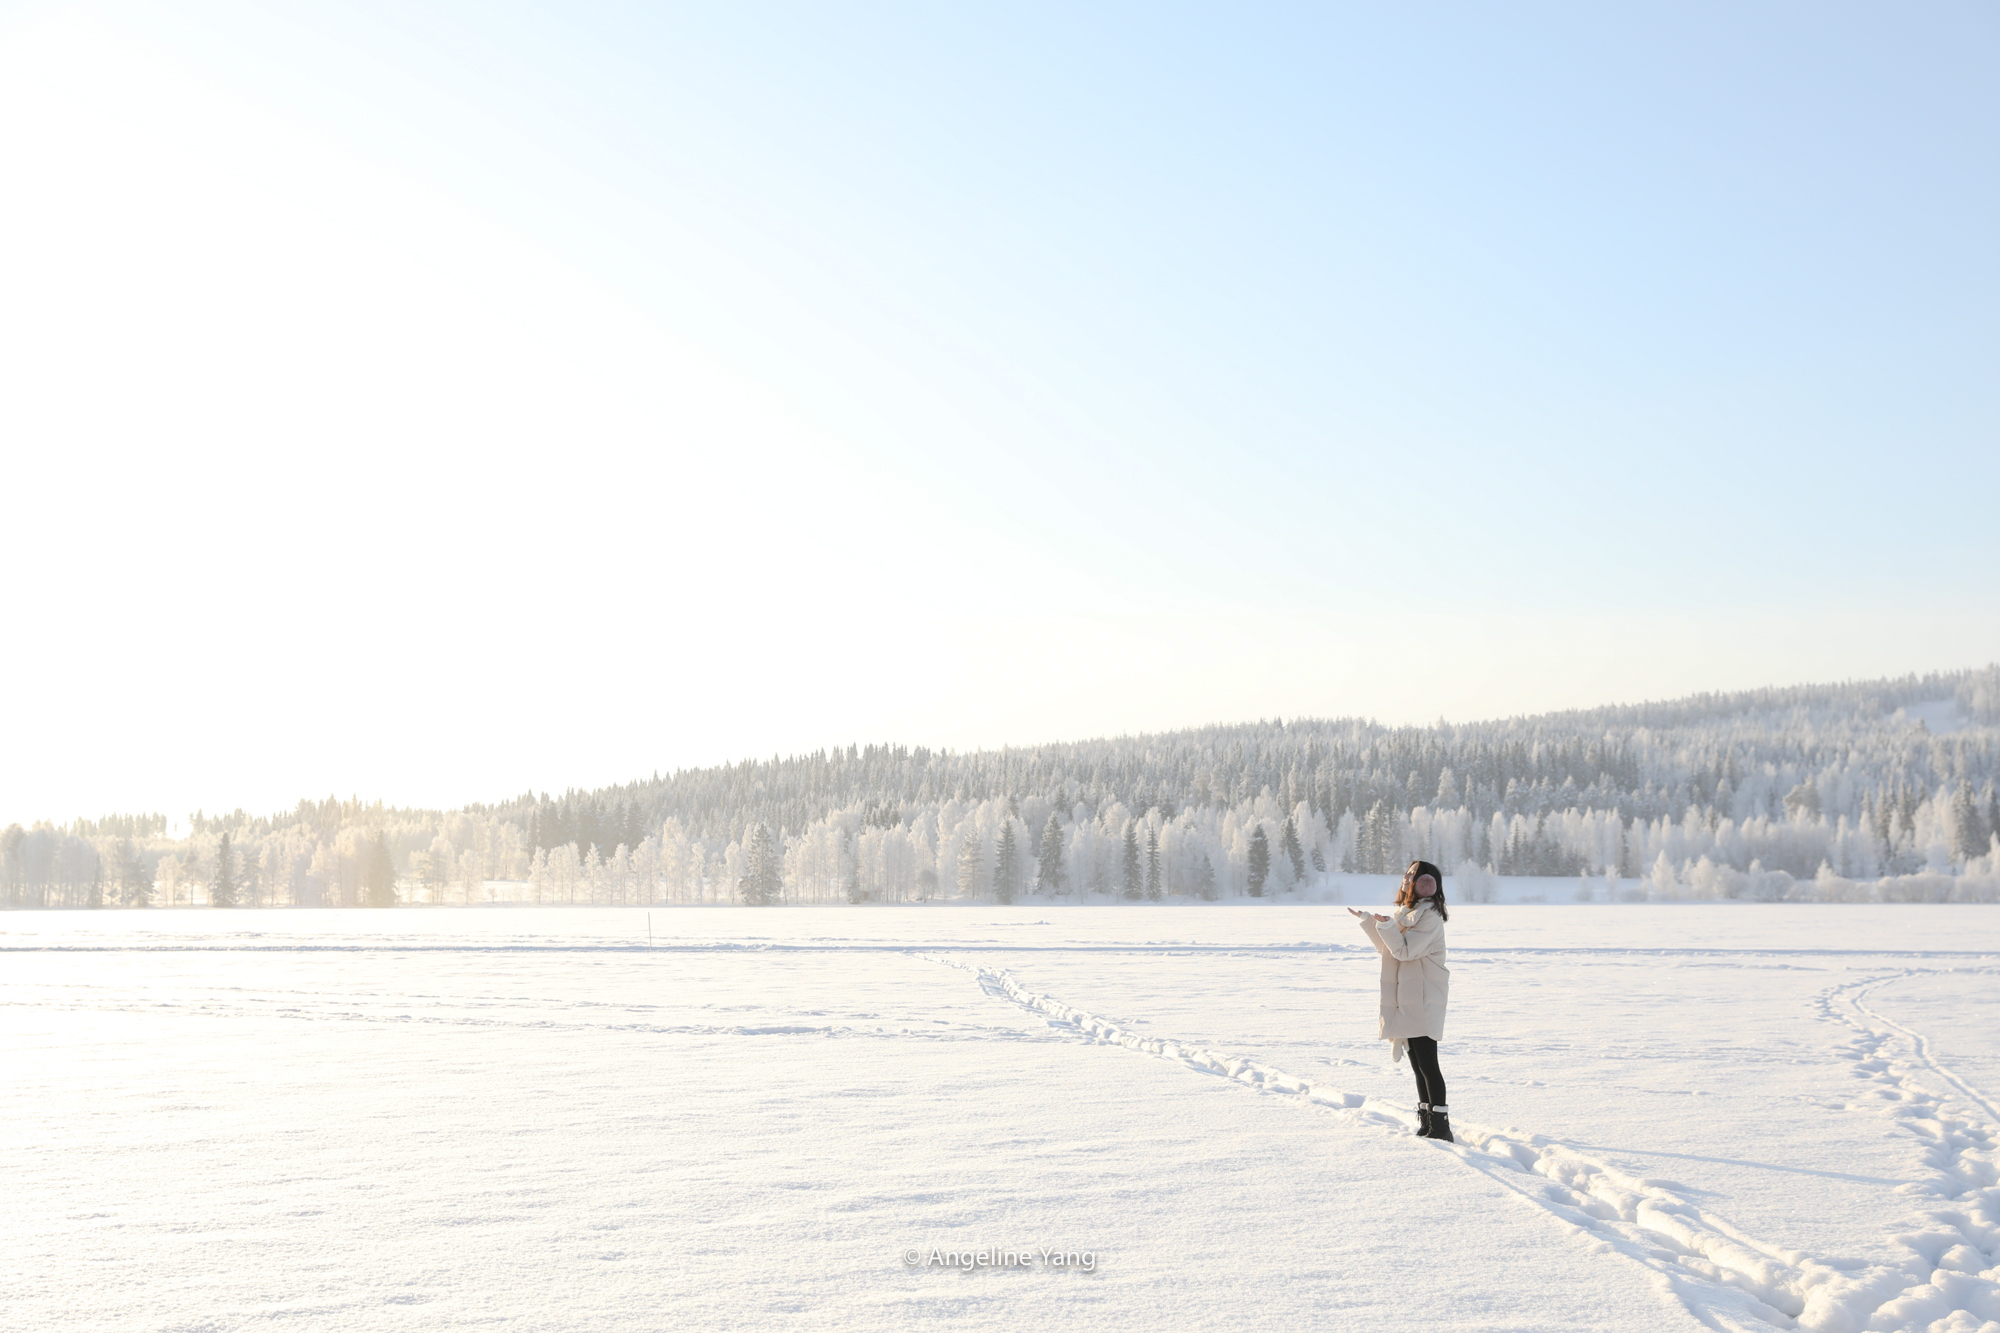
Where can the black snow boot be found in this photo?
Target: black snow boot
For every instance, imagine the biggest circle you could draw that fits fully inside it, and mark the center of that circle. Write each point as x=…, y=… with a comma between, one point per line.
x=1440, y=1125
x=1423, y=1120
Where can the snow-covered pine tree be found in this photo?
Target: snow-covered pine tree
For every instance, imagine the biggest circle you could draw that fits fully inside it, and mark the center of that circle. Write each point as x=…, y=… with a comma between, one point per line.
x=1204, y=878
x=1154, y=890
x=1294, y=853
x=1260, y=861
x=135, y=881
x=763, y=872
x=222, y=886
x=1968, y=824
x=1133, y=883
x=1388, y=840
x=1006, y=864
x=1049, y=857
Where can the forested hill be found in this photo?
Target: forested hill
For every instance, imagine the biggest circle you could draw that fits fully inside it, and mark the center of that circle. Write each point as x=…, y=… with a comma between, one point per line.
x=1864, y=779
x=1644, y=760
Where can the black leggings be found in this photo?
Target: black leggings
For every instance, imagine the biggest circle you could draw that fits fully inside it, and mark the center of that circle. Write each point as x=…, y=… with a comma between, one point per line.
x=1424, y=1061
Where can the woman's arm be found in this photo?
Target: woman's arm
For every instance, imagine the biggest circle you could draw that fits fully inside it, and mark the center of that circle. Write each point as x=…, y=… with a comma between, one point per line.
x=1374, y=932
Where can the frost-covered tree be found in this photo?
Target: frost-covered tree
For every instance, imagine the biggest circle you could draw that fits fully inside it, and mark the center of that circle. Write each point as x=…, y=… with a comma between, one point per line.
x=1260, y=861
x=971, y=863
x=378, y=879
x=1204, y=878
x=1153, y=889
x=170, y=874
x=1968, y=823
x=439, y=861
x=222, y=885
x=1133, y=884
x=1006, y=864
x=1294, y=853
x=761, y=882
x=850, y=856
x=469, y=874
x=135, y=881
x=1049, y=875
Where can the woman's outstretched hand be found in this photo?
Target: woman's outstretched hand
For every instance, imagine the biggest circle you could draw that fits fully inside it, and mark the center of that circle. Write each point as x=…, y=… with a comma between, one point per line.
x=1377, y=915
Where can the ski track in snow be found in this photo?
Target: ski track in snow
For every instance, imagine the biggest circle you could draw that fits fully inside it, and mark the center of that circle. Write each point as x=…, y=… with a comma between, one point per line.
x=1947, y=1282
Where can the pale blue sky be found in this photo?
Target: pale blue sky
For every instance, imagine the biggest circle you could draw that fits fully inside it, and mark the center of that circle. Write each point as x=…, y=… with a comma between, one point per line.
x=655, y=385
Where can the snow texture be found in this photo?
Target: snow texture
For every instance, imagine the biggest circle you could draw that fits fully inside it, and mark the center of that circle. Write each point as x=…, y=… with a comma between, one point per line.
x=1733, y=1117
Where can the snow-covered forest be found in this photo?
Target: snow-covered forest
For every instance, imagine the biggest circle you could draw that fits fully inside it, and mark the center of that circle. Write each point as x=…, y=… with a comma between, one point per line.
x=1861, y=791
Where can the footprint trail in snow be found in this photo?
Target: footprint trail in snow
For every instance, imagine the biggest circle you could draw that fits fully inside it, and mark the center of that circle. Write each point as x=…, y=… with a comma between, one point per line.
x=1947, y=1282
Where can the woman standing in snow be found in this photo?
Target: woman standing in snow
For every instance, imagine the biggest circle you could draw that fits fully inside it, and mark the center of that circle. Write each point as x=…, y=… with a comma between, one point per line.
x=1415, y=982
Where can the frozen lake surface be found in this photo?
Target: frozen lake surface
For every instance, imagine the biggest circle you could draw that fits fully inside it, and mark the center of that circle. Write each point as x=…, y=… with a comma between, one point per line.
x=1673, y=1117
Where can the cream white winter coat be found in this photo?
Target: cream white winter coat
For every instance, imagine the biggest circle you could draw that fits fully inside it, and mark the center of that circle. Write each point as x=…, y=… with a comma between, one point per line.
x=1415, y=980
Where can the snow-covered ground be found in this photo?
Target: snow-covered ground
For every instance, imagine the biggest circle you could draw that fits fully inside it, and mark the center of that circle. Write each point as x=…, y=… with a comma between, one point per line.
x=1674, y=1116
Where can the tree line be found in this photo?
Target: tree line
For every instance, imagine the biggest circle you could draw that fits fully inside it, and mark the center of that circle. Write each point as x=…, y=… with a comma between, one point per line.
x=1865, y=781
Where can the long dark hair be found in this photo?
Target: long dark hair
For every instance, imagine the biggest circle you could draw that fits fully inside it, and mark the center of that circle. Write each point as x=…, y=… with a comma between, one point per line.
x=1407, y=895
